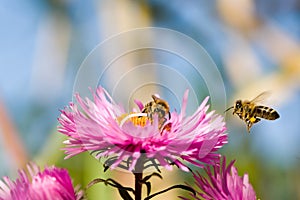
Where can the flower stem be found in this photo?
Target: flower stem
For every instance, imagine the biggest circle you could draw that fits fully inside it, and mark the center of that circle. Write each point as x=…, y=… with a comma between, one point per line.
x=138, y=175
x=138, y=185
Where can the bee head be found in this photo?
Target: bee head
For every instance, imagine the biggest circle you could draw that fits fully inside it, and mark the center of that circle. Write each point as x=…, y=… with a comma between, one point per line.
x=238, y=104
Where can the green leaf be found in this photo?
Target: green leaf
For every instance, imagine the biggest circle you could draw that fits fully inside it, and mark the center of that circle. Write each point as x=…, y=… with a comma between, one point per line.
x=148, y=184
x=146, y=178
x=123, y=191
x=184, y=187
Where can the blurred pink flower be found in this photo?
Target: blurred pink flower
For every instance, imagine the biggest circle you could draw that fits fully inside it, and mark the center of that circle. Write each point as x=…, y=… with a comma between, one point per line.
x=223, y=183
x=98, y=126
x=52, y=183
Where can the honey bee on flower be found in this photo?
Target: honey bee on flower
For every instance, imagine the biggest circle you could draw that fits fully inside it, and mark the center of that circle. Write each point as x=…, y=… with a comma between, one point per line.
x=153, y=133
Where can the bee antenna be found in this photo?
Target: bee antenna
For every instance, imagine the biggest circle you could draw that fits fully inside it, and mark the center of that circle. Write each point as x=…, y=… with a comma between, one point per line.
x=228, y=109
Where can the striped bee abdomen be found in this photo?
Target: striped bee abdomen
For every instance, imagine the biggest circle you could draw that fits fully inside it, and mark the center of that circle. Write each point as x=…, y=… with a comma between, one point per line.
x=266, y=112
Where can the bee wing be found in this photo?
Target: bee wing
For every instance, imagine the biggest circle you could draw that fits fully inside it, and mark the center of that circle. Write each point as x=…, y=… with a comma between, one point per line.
x=261, y=97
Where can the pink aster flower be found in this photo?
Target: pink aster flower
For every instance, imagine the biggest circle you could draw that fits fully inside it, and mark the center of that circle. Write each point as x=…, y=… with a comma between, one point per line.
x=104, y=128
x=223, y=183
x=52, y=183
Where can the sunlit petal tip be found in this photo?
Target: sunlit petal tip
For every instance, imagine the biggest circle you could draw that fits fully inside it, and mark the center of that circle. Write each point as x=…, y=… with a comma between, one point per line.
x=184, y=168
x=66, y=142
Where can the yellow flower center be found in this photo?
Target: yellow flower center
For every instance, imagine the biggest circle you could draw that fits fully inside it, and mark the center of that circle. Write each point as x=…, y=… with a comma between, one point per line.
x=138, y=119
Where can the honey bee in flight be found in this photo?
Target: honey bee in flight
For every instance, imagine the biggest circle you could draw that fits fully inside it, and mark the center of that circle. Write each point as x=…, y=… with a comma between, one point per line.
x=160, y=107
x=252, y=113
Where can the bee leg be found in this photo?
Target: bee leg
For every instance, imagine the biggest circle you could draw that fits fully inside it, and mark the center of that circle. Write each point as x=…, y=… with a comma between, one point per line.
x=240, y=116
x=161, y=122
x=250, y=122
x=249, y=125
x=162, y=126
x=256, y=120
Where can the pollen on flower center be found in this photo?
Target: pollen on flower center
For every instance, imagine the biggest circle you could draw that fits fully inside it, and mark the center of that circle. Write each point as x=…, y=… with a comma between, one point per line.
x=138, y=119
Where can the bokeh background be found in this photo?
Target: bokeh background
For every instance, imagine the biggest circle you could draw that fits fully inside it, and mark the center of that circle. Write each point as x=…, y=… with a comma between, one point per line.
x=255, y=45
